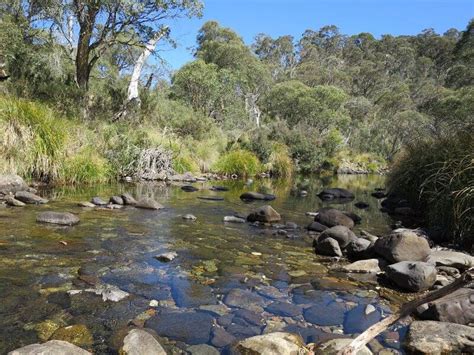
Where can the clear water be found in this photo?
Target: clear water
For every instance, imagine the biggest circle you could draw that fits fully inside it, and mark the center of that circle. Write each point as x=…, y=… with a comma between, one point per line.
x=294, y=289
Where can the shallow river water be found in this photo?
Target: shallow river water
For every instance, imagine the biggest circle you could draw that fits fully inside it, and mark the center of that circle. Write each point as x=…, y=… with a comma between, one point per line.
x=229, y=281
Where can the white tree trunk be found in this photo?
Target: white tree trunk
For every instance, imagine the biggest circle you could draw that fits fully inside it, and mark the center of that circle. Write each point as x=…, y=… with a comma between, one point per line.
x=132, y=93
x=252, y=108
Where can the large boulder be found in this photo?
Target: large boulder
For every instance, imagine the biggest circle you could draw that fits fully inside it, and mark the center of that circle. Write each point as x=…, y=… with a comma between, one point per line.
x=11, y=184
x=402, y=246
x=116, y=200
x=359, y=248
x=451, y=258
x=139, y=342
x=251, y=196
x=436, y=338
x=264, y=214
x=331, y=217
x=335, y=194
x=412, y=276
x=329, y=247
x=60, y=218
x=30, y=198
x=334, y=346
x=98, y=201
x=148, y=204
x=457, y=307
x=52, y=347
x=341, y=234
x=278, y=343
x=316, y=227
x=128, y=199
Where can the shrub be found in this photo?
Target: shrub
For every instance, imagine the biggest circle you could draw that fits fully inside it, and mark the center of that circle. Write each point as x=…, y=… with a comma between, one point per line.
x=280, y=163
x=239, y=162
x=184, y=163
x=437, y=177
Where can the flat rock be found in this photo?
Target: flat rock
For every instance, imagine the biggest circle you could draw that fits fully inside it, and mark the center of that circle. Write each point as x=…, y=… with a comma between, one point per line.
x=334, y=346
x=252, y=196
x=116, y=200
x=139, y=342
x=358, y=319
x=450, y=258
x=86, y=204
x=284, y=309
x=243, y=299
x=211, y=198
x=402, y=246
x=219, y=188
x=191, y=294
x=278, y=343
x=363, y=266
x=331, y=217
x=98, y=201
x=52, y=347
x=221, y=338
x=59, y=218
x=190, y=327
x=264, y=214
x=148, y=203
x=11, y=201
x=30, y=198
x=436, y=338
x=189, y=188
x=189, y=217
x=329, y=247
x=341, y=234
x=202, y=349
x=457, y=307
x=412, y=276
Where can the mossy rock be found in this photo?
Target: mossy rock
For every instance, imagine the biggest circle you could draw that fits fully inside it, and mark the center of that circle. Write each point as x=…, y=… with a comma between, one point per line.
x=77, y=334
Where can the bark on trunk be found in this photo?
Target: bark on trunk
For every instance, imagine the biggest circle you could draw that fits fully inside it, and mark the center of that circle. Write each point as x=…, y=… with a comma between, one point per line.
x=86, y=16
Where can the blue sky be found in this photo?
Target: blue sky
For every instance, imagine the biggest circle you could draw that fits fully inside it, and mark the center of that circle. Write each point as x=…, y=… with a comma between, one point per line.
x=281, y=17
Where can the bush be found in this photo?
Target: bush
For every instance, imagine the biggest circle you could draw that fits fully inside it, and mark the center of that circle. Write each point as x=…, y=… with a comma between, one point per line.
x=280, y=163
x=183, y=163
x=437, y=177
x=239, y=162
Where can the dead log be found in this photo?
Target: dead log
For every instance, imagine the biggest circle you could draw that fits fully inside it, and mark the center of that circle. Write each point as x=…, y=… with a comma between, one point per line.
x=407, y=309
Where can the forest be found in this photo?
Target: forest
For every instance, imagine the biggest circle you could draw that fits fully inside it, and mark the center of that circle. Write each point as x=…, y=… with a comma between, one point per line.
x=85, y=99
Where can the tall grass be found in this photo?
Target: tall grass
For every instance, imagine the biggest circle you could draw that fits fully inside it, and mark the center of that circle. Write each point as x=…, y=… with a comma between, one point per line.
x=239, y=162
x=279, y=162
x=437, y=177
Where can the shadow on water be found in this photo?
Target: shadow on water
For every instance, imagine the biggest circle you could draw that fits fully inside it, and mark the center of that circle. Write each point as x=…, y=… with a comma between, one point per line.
x=285, y=285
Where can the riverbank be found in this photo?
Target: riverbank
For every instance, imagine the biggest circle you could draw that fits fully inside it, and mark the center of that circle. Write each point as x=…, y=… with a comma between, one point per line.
x=226, y=281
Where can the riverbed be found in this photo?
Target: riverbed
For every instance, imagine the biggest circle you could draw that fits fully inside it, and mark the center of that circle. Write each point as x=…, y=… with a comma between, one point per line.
x=228, y=281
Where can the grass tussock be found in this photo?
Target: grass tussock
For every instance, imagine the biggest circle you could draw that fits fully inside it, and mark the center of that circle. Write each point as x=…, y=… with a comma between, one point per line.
x=438, y=178
x=239, y=162
x=280, y=163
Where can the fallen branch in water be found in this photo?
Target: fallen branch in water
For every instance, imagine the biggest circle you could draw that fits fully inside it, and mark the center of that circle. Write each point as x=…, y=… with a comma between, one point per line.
x=407, y=309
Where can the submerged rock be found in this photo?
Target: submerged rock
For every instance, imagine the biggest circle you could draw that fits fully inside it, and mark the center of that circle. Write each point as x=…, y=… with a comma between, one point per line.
x=148, y=203
x=139, y=342
x=331, y=217
x=59, y=218
x=52, y=347
x=325, y=315
x=316, y=227
x=86, y=204
x=202, y=349
x=251, y=196
x=189, y=188
x=437, y=338
x=189, y=217
x=221, y=338
x=278, y=343
x=243, y=299
x=412, y=276
x=189, y=327
x=402, y=246
x=264, y=214
x=359, y=319
x=363, y=266
x=219, y=188
x=362, y=205
x=30, y=198
x=335, y=193
x=284, y=309
x=77, y=334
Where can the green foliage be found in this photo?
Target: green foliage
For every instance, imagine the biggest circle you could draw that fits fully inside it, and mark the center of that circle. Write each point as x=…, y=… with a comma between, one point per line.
x=184, y=163
x=437, y=176
x=279, y=162
x=239, y=162
x=85, y=167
